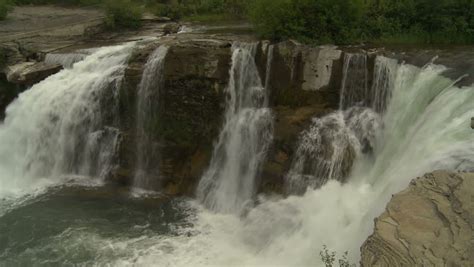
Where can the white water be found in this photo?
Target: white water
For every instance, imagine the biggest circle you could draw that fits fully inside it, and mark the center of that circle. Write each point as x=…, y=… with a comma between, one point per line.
x=354, y=84
x=67, y=60
x=426, y=127
x=328, y=149
x=63, y=126
x=147, y=101
x=229, y=183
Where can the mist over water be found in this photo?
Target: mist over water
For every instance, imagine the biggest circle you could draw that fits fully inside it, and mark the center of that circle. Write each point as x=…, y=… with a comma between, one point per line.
x=229, y=183
x=59, y=129
x=411, y=121
x=146, y=169
x=425, y=127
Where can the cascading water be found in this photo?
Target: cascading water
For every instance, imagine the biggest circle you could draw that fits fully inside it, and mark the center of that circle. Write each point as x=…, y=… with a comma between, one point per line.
x=426, y=127
x=229, y=183
x=385, y=70
x=67, y=60
x=64, y=125
x=328, y=149
x=147, y=100
x=420, y=123
x=354, y=88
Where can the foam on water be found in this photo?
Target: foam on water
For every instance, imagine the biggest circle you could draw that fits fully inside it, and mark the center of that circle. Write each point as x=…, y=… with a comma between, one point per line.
x=426, y=127
x=63, y=126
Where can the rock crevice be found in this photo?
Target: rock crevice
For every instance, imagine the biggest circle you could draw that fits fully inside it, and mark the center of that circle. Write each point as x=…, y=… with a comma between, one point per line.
x=434, y=224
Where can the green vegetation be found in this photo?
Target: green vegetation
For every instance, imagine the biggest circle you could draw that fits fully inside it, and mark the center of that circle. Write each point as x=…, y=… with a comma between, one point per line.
x=310, y=21
x=349, y=21
x=58, y=2
x=329, y=258
x=200, y=10
x=119, y=13
x=5, y=6
x=123, y=14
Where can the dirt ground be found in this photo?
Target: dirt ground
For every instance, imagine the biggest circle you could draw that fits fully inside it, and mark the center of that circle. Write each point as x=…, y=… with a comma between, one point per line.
x=26, y=21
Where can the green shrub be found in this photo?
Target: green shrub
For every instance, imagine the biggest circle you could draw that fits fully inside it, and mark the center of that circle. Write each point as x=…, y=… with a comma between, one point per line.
x=58, y=2
x=172, y=11
x=5, y=6
x=321, y=21
x=350, y=21
x=123, y=13
x=329, y=258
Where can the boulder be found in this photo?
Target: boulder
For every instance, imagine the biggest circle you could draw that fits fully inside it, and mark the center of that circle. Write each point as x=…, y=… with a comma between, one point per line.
x=190, y=108
x=320, y=68
x=429, y=224
x=30, y=72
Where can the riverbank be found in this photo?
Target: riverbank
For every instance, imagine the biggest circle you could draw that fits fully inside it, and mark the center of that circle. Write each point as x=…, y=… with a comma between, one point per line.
x=315, y=144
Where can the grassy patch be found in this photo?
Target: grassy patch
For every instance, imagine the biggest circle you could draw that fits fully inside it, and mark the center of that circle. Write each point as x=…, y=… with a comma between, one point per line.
x=210, y=18
x=123, y=14
x=5, y=7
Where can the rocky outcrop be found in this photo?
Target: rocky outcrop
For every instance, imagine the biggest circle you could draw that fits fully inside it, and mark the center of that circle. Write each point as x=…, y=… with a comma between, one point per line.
x=29, y=73
x=429, y=224
x=191, y=104
x=8, y=92
x=190, y=107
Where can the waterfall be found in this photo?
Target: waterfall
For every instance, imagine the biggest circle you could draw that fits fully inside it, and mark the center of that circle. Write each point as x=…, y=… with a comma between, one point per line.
x=64, y=126
x=385, y=70
x=67, y=60
x=146, y=166
x=354, y=86
x=426, y=126
x=329, y=148
x=229, y=183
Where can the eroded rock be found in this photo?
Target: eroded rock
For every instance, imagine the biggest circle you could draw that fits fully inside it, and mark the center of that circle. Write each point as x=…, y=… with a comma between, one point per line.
x=429, y=224
x=30, y=72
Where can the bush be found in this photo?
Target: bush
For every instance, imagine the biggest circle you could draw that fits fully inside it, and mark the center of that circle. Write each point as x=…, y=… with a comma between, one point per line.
x=5, y=6
x=123, y=13
x=203, y=10
x=173, y=12
x=57, y=2
x=349, y=21
x=329, y=258
x=319, y=21
x=421, y=21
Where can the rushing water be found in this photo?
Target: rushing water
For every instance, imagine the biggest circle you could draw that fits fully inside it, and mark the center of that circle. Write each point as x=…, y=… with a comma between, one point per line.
x=147, y=99
x=63, y=127
x=229, y=183
x=65, y=60
x=411, y=121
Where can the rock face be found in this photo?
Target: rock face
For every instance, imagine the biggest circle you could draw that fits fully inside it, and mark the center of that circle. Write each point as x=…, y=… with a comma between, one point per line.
x=190, y=105
x=429, y=224
x=29, y=73
x=8, y=92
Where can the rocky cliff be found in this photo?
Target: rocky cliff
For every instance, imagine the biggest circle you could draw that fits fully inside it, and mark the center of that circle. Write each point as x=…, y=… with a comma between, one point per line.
x=192, y=102
x=429, y=224
x=304, y=82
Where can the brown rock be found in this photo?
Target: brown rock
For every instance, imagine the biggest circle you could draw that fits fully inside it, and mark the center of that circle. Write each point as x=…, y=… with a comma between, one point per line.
x=429, y=224
x=30, y=72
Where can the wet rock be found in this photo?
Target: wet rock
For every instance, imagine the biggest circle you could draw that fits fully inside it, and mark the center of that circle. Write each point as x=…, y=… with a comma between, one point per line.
x=429, y=224
x=30, y=72
x=305, y=75
x=289, y=123
x=320, y=66
x=8, y=93
x=190, y=108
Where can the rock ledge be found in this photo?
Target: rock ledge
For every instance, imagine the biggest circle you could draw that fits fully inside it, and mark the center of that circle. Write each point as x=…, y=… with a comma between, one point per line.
x=429, y=224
